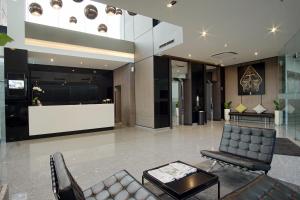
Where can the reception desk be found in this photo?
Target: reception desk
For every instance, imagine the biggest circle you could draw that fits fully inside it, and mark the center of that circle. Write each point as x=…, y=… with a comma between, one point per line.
x=69, y=118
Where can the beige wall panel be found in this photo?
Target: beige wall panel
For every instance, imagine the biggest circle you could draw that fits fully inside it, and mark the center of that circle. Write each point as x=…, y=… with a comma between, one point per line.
x=144, y=93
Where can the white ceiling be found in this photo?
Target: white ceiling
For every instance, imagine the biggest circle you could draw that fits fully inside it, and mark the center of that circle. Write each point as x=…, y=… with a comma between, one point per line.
x=242, y=24
x=71, y=61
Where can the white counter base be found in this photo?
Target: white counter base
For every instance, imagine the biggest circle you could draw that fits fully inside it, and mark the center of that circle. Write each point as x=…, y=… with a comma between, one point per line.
x=68, y=118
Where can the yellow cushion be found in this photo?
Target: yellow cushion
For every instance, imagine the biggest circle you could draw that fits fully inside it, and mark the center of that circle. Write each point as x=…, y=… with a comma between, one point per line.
x=241, y=108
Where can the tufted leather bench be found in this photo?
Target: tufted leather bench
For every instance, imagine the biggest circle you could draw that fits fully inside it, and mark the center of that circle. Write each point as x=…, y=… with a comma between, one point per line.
x=264, y=187
x=120, y=186
x=246, y=147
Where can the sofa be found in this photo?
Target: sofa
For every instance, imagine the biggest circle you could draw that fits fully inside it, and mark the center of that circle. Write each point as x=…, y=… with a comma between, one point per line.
x=119, y=186
x=245, y=147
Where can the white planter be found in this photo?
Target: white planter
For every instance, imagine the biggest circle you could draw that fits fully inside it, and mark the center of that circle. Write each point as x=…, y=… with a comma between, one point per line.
x=278, y=117
x=226, y=114
x=177, y=112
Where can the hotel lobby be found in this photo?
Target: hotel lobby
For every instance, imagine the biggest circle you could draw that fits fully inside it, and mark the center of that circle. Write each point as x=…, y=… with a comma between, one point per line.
x=149, y=100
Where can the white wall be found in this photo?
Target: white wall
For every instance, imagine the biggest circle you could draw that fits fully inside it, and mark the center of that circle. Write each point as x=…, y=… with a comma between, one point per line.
x=15, y=23
x=165, y=32
x=3, y=12
x=142, y=24
x=128, y=27
x=144, y=46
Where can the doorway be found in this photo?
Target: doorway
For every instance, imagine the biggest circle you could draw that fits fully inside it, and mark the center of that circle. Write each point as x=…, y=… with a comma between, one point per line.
x=118, y=104
x=213, y=93
x=179, y=73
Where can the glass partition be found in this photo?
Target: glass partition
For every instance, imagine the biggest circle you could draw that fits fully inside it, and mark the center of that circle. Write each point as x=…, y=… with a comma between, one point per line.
x=290, y=92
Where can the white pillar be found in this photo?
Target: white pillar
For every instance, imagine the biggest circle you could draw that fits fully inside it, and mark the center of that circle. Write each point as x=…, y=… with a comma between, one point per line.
x=15, y=23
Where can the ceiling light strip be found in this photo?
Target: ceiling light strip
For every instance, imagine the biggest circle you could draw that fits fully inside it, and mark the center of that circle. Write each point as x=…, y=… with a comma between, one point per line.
x=77, y=48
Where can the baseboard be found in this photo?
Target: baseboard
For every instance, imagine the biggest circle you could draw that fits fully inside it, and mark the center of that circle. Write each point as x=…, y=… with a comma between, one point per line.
x=68, y=133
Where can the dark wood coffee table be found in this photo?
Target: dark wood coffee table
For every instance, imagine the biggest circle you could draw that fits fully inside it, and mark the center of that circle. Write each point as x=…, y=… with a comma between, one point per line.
x=187, y=186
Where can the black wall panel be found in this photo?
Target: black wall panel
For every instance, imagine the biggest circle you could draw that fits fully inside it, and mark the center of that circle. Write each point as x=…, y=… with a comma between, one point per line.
x=16, y=100
x=198, y=89
x=67, y=85
x=161, y=92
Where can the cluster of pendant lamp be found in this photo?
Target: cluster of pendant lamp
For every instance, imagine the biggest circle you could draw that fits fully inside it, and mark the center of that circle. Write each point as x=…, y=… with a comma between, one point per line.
x=90, y=11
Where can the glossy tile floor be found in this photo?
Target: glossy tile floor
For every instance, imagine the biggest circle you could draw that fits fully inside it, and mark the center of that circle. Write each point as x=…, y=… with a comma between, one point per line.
x=95, y=156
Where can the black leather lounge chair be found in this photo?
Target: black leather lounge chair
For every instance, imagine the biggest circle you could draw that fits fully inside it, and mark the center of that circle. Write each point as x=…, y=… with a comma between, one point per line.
x=245, y=147
x=120, y=186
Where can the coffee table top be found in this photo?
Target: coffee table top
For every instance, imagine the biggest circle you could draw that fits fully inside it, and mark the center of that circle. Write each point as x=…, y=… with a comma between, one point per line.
x=187, y=186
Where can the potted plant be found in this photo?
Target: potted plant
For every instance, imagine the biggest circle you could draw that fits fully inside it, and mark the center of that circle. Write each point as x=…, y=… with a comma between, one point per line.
x=227, y=106
x=177, y=109
x=278, y=113
x=36, y=91
x=4, y=39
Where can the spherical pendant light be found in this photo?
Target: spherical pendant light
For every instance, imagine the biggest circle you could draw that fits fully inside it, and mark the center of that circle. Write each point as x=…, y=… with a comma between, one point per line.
x=73, y=20
x=35, y=9
x=110, y=10
x=131, y=13
x=56, y=4
x=91, y=12
x=119, y=11
x=102, y=28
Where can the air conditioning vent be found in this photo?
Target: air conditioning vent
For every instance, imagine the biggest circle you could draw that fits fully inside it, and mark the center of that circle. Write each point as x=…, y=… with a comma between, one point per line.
x=167, y=43
x=224, y=55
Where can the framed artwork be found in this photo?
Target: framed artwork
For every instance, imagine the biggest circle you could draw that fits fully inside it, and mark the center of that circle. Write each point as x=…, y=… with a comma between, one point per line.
x=251, y=79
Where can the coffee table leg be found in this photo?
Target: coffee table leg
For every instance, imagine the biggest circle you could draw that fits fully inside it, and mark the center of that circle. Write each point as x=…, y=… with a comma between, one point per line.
x=218, y=189
x=142, y=180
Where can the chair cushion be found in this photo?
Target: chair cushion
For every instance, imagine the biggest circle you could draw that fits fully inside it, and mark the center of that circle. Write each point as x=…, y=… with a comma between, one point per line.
x=120, y=186
x=237, y=160
x=253, y=143
x=264, y=187
x=241, y=108
x=259, y=109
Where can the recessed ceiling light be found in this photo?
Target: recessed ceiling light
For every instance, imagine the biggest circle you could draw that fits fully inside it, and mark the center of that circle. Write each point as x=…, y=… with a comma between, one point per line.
x=81, y=62
x=203, y=33
x=190, y=55
x=52, y=60
x=222, y=65
x=171, y=4
x=225, y=45
x=105, y=65
x=256, y=53
x=274, y=29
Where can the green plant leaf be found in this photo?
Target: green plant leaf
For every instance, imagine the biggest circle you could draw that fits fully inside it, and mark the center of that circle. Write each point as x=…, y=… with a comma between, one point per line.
x=227, y=105
x=4, y=39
